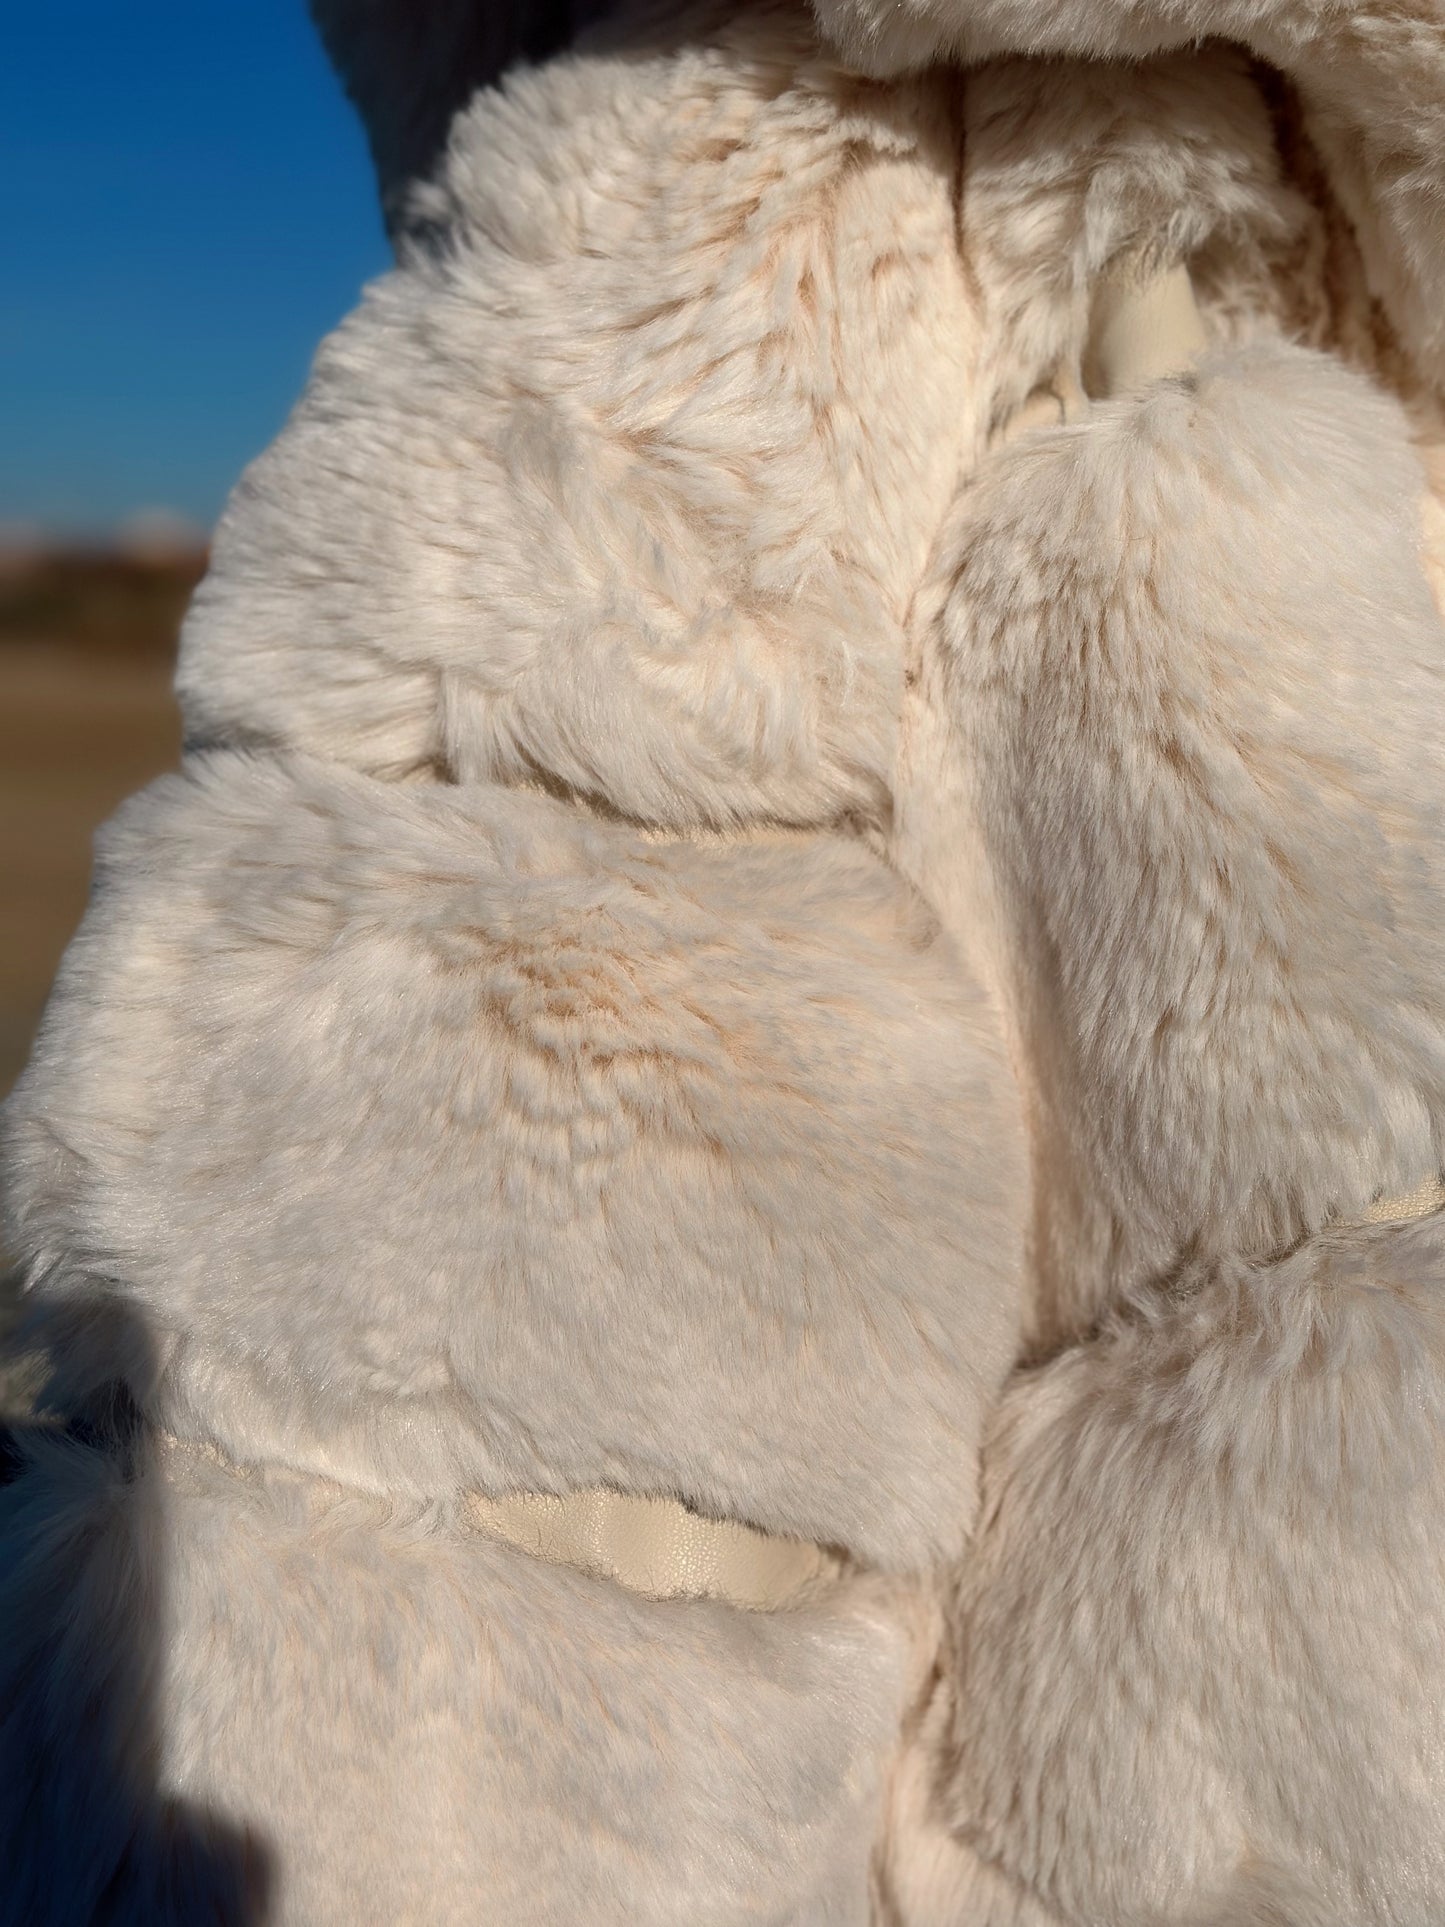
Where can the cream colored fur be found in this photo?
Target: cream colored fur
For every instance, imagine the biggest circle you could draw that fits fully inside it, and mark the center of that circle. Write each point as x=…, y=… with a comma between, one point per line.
x=1192, y=673
x=1192, y=692
x=1371, y=73
x=1073, y=176
x=1199, y=1641
x=683, y=289
x=585, y=1157
x=725, y=893
x=403, y=1721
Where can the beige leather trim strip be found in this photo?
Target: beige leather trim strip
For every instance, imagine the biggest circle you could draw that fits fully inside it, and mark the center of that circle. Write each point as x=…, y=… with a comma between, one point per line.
x=656, y=1547
x=1143, y=327
x=1427, y=1198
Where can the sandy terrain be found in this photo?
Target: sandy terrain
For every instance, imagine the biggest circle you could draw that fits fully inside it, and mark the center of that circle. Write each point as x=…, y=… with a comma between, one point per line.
x=78, y=732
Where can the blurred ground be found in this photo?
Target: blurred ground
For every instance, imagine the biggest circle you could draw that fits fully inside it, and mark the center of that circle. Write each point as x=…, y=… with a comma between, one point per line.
x=87, y=649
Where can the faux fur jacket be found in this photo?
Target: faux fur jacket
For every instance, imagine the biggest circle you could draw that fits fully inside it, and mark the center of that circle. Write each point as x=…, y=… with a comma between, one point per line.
x=805, y=906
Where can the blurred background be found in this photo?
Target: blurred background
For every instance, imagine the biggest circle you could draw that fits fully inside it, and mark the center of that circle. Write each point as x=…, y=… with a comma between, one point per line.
x=189, y=207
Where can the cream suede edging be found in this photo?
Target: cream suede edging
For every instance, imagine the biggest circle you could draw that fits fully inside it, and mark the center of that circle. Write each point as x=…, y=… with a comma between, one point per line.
x=1427, y=1198
x=1144, y=326
x=1142, y=329
x=656, y=1547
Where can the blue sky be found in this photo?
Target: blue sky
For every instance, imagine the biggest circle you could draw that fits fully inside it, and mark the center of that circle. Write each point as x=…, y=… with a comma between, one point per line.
x=188, y=207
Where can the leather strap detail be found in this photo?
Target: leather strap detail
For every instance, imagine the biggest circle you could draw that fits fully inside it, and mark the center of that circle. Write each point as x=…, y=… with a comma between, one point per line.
x=657, y=1547
x=1427, y=1198
x=1144, y=325
x=1143, y=328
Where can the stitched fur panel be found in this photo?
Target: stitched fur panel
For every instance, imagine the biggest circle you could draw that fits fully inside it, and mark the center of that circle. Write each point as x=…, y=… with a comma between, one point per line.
x=1372, y=72
x=1185, y=709
x=443, y=1137
x=1200, y=1641
x=1188, y=675
x=626, y=482
x=255, y=1698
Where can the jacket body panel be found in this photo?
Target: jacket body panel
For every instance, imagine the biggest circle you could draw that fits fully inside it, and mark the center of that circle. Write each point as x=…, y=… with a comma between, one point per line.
x=656, y=564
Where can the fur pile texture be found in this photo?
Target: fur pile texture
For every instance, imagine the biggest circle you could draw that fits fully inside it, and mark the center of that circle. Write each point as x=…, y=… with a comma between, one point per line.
x=352, y=1709
x=1189, y=665
x=742, y=927
x=585, y=1157
x=1372, y=76
x=684, y=287
x=1188, y=685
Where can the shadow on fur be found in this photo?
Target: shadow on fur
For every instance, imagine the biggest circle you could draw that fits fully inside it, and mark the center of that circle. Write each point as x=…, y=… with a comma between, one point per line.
x=87, y=1833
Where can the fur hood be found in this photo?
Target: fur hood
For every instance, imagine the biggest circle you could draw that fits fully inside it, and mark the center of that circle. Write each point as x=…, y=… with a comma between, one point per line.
x=1368, y=78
